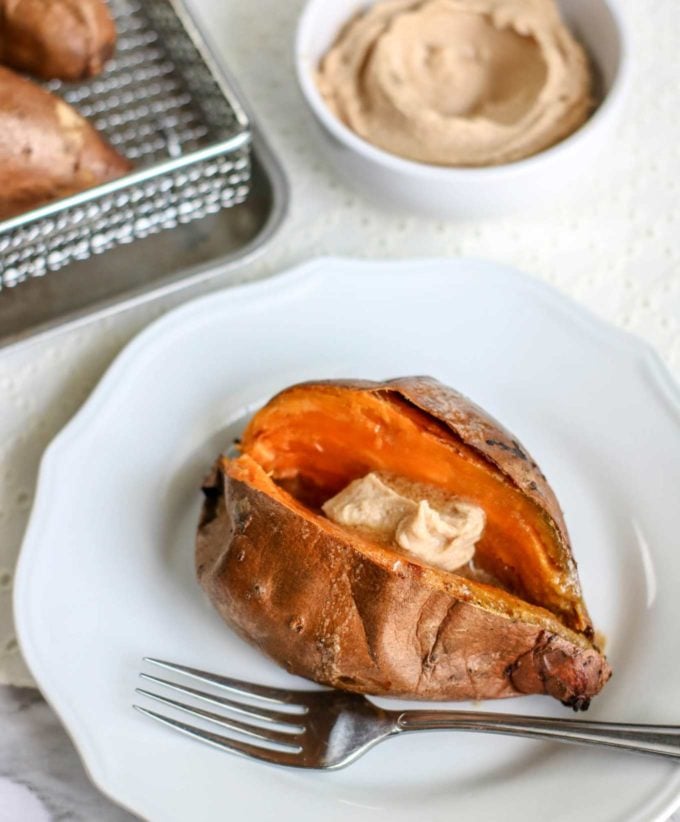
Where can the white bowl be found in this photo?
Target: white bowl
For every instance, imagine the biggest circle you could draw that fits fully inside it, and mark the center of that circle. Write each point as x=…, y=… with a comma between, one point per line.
x=471, y=192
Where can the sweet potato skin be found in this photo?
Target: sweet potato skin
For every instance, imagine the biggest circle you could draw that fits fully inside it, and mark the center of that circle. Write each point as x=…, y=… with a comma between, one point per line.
x=56, y=39
x=318, y=605
x=489, y=438
x=321, y=603
x=47, y=150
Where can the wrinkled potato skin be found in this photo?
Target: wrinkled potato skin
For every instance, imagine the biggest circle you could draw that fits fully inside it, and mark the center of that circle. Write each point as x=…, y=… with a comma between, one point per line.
x=56, y=39
x=313, y=600
x=47, y=150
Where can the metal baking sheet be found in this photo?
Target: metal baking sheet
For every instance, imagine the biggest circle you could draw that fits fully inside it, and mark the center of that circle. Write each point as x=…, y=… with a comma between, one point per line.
x=157, y=265
x=165, y=103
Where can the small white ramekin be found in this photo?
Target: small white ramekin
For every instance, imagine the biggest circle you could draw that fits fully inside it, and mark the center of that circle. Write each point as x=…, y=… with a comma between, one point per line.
x=472, y=192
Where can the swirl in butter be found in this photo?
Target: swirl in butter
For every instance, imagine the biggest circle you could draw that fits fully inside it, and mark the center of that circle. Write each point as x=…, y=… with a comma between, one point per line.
x=436, y=529
x=458, y=82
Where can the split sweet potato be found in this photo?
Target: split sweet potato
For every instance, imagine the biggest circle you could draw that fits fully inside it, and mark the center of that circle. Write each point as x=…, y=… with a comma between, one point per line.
x=63, y=39
x=334, y=606
x=47, y=150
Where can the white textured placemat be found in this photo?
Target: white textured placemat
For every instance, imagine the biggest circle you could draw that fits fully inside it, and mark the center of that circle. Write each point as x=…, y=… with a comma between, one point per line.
x=617, y=249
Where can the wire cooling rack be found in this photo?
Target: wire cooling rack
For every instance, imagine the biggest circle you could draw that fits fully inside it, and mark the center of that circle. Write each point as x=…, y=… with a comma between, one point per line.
x=165, y=104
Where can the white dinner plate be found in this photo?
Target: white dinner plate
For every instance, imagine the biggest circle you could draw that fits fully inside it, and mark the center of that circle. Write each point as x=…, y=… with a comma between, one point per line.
x=106, y=571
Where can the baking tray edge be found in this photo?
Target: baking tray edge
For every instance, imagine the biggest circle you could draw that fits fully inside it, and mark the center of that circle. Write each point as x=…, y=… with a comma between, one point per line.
x=202, y=272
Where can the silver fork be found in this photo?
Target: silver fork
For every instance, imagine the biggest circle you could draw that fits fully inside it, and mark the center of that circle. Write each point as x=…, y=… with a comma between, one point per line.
x=329, y=729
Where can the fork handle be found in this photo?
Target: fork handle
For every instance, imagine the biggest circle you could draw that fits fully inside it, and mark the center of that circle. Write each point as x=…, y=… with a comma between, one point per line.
x=657, y=740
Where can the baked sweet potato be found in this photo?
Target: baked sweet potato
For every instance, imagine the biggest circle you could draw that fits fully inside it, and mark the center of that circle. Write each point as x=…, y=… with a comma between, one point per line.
x=63, y=39
x=47, y=150
x=332, y=605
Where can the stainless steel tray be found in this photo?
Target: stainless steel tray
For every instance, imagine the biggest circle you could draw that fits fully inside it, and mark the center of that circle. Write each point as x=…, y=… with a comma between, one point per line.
x=164, y=103
x=162, y=263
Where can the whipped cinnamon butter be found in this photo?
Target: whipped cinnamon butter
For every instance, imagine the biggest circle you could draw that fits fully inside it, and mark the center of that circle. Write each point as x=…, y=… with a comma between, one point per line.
x=438, y=530
x=458, y=82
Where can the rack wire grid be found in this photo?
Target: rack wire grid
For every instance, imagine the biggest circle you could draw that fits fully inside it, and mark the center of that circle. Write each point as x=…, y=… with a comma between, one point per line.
x=165, y=104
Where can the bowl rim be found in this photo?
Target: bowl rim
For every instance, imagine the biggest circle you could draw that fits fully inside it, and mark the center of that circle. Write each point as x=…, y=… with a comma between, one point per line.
x=394, y=163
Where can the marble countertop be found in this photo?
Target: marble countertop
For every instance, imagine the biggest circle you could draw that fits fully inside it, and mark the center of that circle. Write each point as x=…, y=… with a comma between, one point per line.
x=41, y=775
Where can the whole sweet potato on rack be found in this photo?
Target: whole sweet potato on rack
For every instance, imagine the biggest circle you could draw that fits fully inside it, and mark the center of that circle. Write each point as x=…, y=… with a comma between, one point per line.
x=332, y=604
x=47, y=150
x=56, y=39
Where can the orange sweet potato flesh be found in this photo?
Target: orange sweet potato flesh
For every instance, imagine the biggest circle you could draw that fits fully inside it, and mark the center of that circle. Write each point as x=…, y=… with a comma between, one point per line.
x=331, y=605
x=56, y=39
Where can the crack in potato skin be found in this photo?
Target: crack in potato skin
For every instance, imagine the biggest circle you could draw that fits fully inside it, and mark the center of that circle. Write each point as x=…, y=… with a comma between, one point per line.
x=430, y=433
x=369, y=629
x=338, y=608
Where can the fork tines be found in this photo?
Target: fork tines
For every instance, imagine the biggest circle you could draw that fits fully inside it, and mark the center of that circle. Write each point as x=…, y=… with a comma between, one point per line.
x=279, y=730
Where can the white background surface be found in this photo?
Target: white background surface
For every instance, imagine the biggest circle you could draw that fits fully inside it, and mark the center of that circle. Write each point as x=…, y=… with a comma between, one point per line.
x=99, y=587
x=615, y=249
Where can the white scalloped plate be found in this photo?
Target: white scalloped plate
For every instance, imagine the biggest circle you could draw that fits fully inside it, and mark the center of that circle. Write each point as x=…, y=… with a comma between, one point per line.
x=106, y=570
